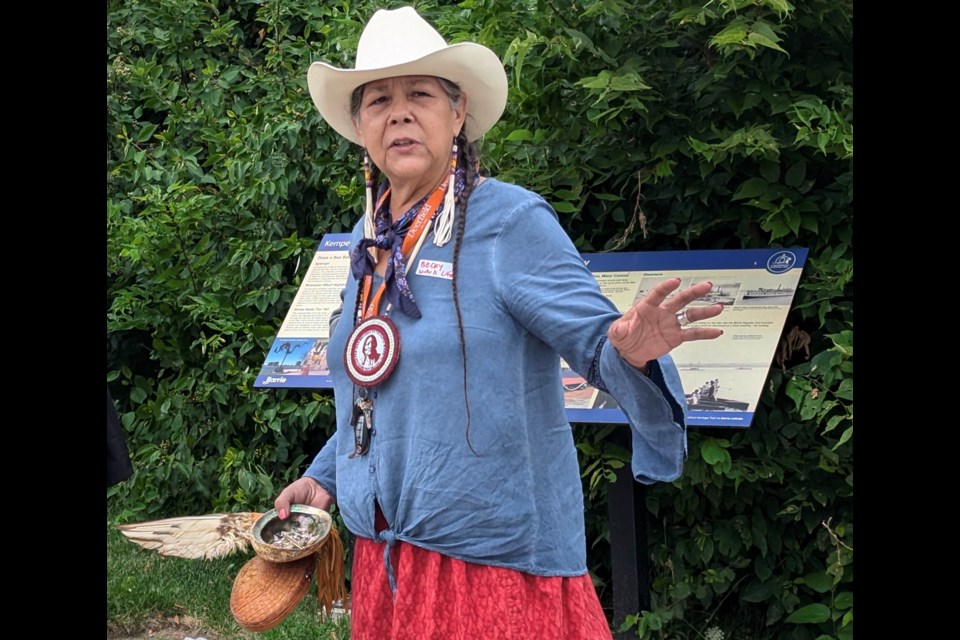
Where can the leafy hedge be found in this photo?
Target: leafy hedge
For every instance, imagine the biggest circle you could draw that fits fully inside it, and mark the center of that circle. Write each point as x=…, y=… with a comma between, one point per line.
x=649, y=126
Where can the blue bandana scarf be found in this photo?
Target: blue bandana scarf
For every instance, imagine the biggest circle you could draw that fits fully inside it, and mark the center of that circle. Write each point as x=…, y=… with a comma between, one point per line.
x=389, y=236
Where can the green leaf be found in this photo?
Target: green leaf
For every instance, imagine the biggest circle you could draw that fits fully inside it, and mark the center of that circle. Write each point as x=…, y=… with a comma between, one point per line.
x=707, y=551
x=819, y=581
x=823, y=139
x=627, y=82
x=796, y=174
x=843, y=342
x=751, y=188
x=847, y=434
x=826, y=360
x=654, y=621
x=843, y=600
x=796, y=391
x=845, y=390
x=766, y=31
x=778, y=229
x=833, y=422
x=764, y=41
x=697, y=145
x=695, y=15
x=596, y=82
x=588, y=449
x=782, y=7
x=713, y=452
x=810, y=223
x=146, y=132
x=793, y=219
x=733, y=33
x=770, y=171
x=519, y=135
x=760, y=590
x=810, y=614
x=246, y=480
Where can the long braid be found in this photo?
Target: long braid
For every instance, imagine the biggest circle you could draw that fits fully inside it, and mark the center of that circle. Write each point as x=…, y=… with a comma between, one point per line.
x=375, y=174
x=468, y=158
x=357, y=311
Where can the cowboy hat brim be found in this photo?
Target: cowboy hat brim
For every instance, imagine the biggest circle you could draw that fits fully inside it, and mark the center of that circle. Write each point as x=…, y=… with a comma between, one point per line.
x=474, y=68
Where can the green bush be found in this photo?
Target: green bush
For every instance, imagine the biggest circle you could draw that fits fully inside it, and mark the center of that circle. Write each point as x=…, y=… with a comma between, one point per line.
x=649, y=126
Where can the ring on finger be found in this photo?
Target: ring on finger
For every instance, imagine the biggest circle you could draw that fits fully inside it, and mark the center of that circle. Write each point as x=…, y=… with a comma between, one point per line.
x=682, y=318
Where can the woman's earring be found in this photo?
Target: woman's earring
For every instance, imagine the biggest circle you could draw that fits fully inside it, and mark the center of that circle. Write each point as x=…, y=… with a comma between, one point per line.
x=443, y=230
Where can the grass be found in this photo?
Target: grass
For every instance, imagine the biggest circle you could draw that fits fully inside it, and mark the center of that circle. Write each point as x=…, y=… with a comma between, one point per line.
x=148, y=593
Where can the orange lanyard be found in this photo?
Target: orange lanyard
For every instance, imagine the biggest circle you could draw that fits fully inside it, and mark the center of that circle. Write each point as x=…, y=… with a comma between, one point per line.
x=417, y=227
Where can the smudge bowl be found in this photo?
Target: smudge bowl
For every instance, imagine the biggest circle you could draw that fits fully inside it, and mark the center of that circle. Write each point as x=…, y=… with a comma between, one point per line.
x=299, y=536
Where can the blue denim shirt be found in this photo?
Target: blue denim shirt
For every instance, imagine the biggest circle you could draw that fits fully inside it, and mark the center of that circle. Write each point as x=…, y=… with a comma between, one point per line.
x=515, y=500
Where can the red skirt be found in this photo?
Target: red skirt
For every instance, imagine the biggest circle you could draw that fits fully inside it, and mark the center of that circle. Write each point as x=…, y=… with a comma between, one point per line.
x=441, y=598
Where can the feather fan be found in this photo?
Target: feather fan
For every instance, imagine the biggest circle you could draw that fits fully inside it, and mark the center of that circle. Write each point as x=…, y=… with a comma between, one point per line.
x=215, y=535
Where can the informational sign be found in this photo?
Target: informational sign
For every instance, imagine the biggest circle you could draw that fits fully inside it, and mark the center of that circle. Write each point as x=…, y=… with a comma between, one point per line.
x=298, y=356
x=722, y=379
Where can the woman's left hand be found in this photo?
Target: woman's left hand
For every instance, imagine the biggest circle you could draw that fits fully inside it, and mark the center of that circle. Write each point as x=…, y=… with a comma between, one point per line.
x=651, y=327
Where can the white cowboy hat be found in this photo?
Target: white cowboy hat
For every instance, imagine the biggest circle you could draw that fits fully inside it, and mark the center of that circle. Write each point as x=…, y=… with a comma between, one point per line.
x=399, y=42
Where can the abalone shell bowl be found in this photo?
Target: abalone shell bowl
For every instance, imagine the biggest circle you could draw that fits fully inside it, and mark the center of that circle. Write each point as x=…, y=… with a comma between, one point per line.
x=268, y=526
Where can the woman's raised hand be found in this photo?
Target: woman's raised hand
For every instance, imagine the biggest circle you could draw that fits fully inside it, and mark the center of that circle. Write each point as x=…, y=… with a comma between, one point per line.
x=654, y=326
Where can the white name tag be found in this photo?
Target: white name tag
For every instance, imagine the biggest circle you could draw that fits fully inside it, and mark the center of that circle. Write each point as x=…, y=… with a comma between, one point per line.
x=435, y=269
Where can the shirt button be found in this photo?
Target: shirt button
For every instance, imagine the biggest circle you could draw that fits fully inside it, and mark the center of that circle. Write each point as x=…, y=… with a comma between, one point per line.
x=372, y=468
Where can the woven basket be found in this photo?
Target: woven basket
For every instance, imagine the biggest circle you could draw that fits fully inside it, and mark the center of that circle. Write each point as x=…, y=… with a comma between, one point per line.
x=264, y=593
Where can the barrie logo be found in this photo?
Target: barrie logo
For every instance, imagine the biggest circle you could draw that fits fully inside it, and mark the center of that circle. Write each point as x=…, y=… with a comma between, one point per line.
x=781, y=262
x=271, y=379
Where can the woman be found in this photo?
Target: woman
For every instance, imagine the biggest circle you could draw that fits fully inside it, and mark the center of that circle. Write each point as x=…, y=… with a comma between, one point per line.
x=453, y=463
x=371, y=356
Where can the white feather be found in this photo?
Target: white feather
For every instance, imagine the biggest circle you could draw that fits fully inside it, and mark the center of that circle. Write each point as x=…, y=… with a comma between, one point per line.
x=194, y=537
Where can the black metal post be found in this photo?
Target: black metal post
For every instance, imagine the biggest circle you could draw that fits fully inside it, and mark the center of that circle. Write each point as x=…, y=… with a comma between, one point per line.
x=629, y=556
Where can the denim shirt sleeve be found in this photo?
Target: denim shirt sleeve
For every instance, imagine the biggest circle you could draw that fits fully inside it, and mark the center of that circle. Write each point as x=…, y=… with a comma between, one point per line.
x=543, y=280
x=336, y=313
x=656, y=409
x=323, y=469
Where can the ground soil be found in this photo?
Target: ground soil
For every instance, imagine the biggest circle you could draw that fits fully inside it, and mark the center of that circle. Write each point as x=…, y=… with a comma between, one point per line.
x=176, y=628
